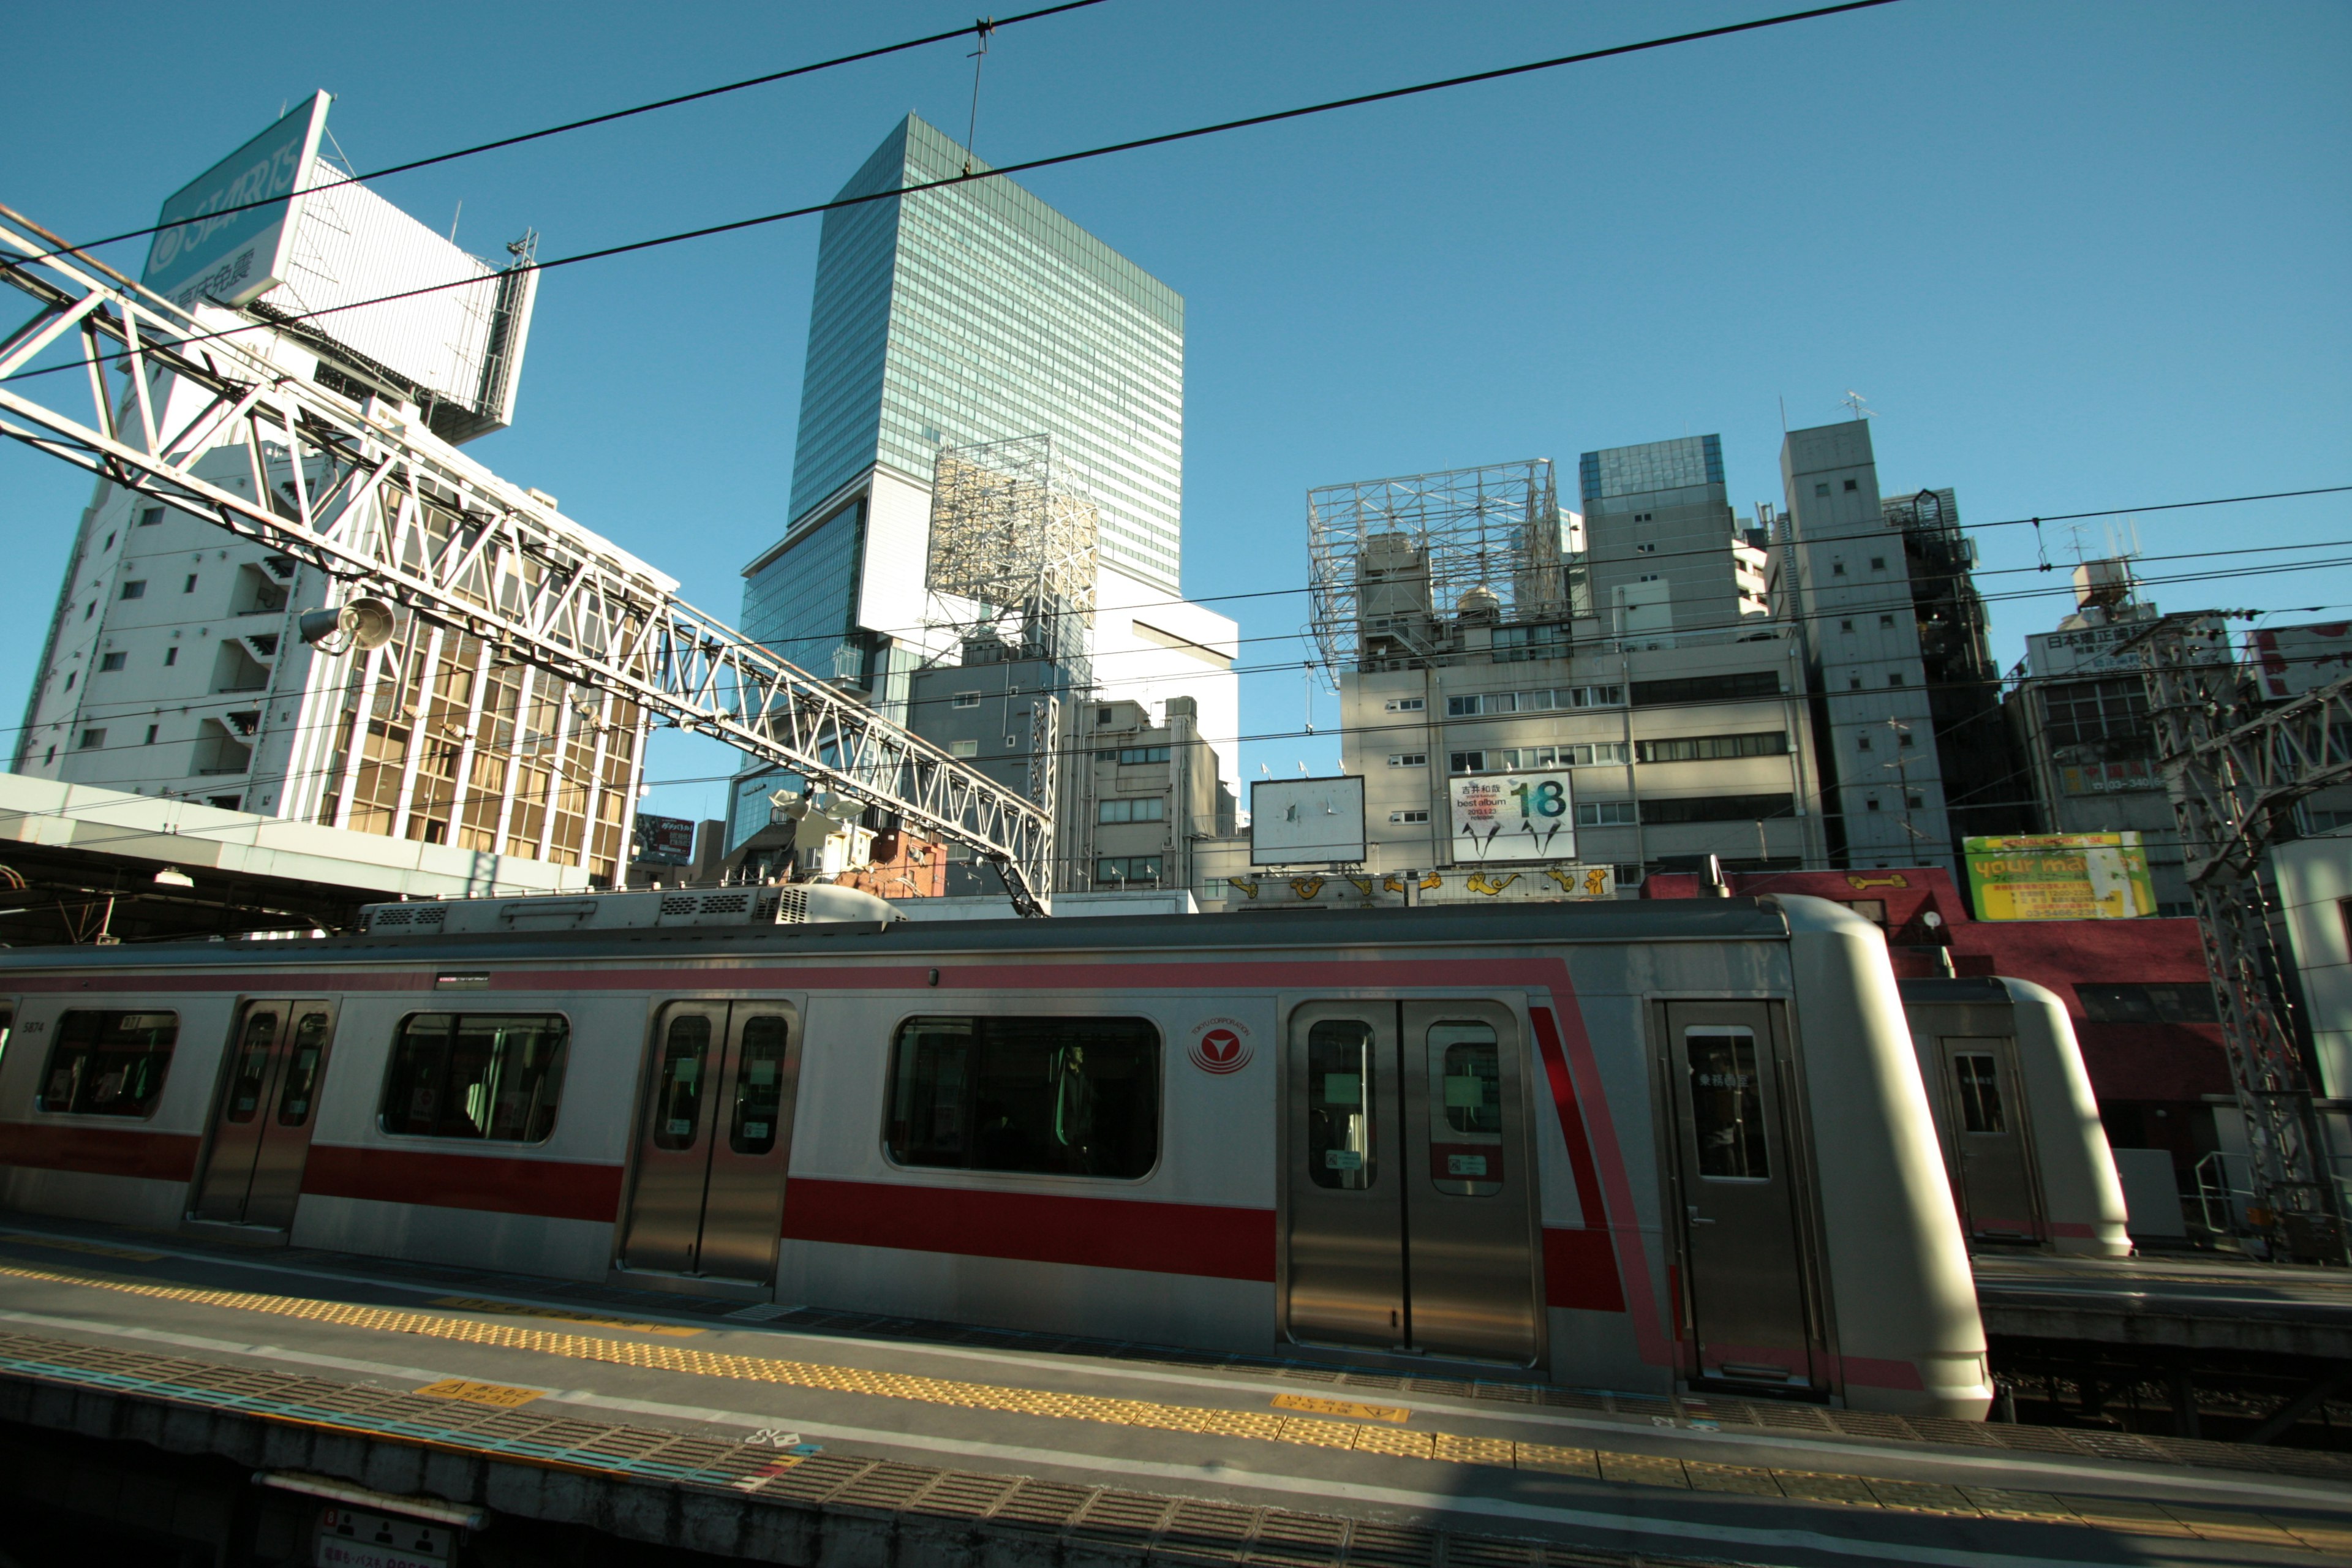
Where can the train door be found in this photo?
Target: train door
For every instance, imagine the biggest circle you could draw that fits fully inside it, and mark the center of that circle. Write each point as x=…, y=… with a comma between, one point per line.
x=716, y=1141
x=1408, y=1192
x=1992, y=1173
x=1745, y=1275
x=261, y=1126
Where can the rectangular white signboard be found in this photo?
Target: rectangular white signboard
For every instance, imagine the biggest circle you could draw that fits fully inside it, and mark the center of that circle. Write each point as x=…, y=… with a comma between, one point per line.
x=233, y=257
x=1307, y=822
x=2091, y=650
x=1513, y=817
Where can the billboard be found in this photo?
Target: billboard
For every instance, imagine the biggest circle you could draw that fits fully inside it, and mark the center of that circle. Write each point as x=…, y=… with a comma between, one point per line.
x=1526, y=816
x=2060, y=877
x=2298, y=660
x=233, y=257
x=1307, y=822
x=664, y=840
x=2089, y=651
x=1354, y=890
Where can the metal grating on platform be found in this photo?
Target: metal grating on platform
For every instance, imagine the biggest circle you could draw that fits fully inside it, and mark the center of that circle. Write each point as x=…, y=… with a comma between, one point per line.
x=1175, y=1529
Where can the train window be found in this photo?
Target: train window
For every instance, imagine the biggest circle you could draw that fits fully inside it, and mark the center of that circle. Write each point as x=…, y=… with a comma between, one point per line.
x=252, y=1079
x=2187, y=1002
x=677, y=1087
x=1726, y=1104
x=302, y=1083
x=1075, y=1097
x=494, y=1076
x=758, y=1084
x=1339, y=1069
x=109, y=1063
x=1465, y=1108
x=1979, y=1092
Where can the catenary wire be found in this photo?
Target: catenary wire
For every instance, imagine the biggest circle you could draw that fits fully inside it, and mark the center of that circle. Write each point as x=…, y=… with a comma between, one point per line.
x=977, y=173
x=604, y=119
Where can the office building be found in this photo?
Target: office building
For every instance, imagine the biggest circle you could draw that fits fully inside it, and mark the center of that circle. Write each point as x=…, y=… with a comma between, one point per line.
x=975, y=319
x=2078, y=702
x=1661, y=545
x=1464, y=628
x=172, y=667
x=1842, y=574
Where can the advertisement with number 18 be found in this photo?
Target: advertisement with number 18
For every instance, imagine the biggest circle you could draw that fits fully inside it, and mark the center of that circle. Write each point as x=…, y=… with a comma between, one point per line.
x=1514, y=817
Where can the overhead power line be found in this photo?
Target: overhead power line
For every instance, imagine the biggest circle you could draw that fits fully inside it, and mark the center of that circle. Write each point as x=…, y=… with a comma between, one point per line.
x=982, y=27
x=977, y=174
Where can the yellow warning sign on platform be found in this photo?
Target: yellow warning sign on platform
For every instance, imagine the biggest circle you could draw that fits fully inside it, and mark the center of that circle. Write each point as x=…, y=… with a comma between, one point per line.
x=498, y=1394
x=1341, y=1407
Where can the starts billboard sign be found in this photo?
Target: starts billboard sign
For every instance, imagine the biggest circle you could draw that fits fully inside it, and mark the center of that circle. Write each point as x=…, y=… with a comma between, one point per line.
x=214, y=247
x=2060, y=877
x=1513, y=817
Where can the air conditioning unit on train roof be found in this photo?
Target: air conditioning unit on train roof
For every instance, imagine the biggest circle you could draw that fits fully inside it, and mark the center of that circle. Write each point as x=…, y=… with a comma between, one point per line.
x=732, y=908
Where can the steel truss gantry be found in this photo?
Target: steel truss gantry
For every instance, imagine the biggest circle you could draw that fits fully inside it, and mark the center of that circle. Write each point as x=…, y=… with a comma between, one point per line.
x=342, y=484
x=2234, y=780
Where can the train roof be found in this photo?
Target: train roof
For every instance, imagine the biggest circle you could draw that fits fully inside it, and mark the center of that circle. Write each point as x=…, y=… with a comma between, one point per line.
x=1626, y=921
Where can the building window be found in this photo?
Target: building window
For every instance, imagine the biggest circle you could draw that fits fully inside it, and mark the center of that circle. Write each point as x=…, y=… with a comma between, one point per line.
x=171, y=657
x=1718, y=808
x=966, y=699
x=1821, y=489
x=91, y=740
x=1135, y=756
x=108, y=545
x=190, y=585
x=1102, y=718
x=1879, y=564
x=1837, y=568
x=1845, y=625
x=1915, y=803
x=90, y=610
x=1145, y=808
x=1895, y=679
x=150, y=733
x=72, y=675
x=49, y=757
x=105, y=1063
x=1713, y=748
x=1645, y=550
x=1851, y=485
x=1605, y=814
x=1870, y=804
x=1407, y=816
x=135, y=589
x=150, y=515
x=2111, y=713
x=1128, y=870
x=1647, y=577
x=1853, y=682
x=1886, y=620
x=112, y=661
x=1467, y=762
x=1064, y=1097
x=1408, y=759
x=1706, y=688
x=1405, y=704
x=964, y=748
x=1861, y=743
x=1903, y=737
x=2187, y=1002
x=491, y=1076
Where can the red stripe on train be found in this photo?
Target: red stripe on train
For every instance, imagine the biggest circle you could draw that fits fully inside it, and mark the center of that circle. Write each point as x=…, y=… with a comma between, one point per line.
x=1105, y=1233
x=100, y=1151
x=494, y=1183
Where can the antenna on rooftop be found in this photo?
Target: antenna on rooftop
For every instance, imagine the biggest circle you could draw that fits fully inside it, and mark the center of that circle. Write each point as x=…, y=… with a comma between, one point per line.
x=1852, y=400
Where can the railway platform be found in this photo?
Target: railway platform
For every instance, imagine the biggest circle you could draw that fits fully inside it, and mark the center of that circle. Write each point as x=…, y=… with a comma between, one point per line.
x=2190, y=1303
x=503, y=1411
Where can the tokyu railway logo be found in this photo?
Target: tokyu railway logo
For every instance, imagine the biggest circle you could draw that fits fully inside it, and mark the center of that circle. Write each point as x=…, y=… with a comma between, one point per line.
x=1221, y=1046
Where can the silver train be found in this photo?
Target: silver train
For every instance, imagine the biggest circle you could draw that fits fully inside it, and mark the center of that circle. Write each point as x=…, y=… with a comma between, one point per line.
x=1620, y=1145
x=2023, y=1148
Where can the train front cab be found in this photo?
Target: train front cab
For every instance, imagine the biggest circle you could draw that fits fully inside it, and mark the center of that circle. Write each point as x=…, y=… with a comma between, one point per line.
x=2026, y=1154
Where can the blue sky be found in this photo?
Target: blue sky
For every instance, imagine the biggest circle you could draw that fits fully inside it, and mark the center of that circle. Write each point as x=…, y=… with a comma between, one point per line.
x=2077, y=256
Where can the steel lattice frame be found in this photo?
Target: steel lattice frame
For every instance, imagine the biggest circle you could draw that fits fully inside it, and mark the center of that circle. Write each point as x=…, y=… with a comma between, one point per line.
x=1496, y=527
x=1010, y=534
x=341, y=490
x=2233, y=782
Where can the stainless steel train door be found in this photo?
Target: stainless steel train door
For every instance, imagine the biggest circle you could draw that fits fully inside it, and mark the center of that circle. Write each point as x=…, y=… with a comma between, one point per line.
x=716, y=1141
x=1746, y=1274
x=261, y=1128
x=1992, y=1170
x=1408, y=1193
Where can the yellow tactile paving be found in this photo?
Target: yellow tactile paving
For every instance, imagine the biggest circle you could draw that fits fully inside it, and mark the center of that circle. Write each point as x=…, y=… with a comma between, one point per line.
x=504, y=1395
x=514, y=1309
x=1380, y=1437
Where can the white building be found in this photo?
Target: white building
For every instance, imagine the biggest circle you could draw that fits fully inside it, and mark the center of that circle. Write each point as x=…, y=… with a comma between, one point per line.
x=173, y=666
